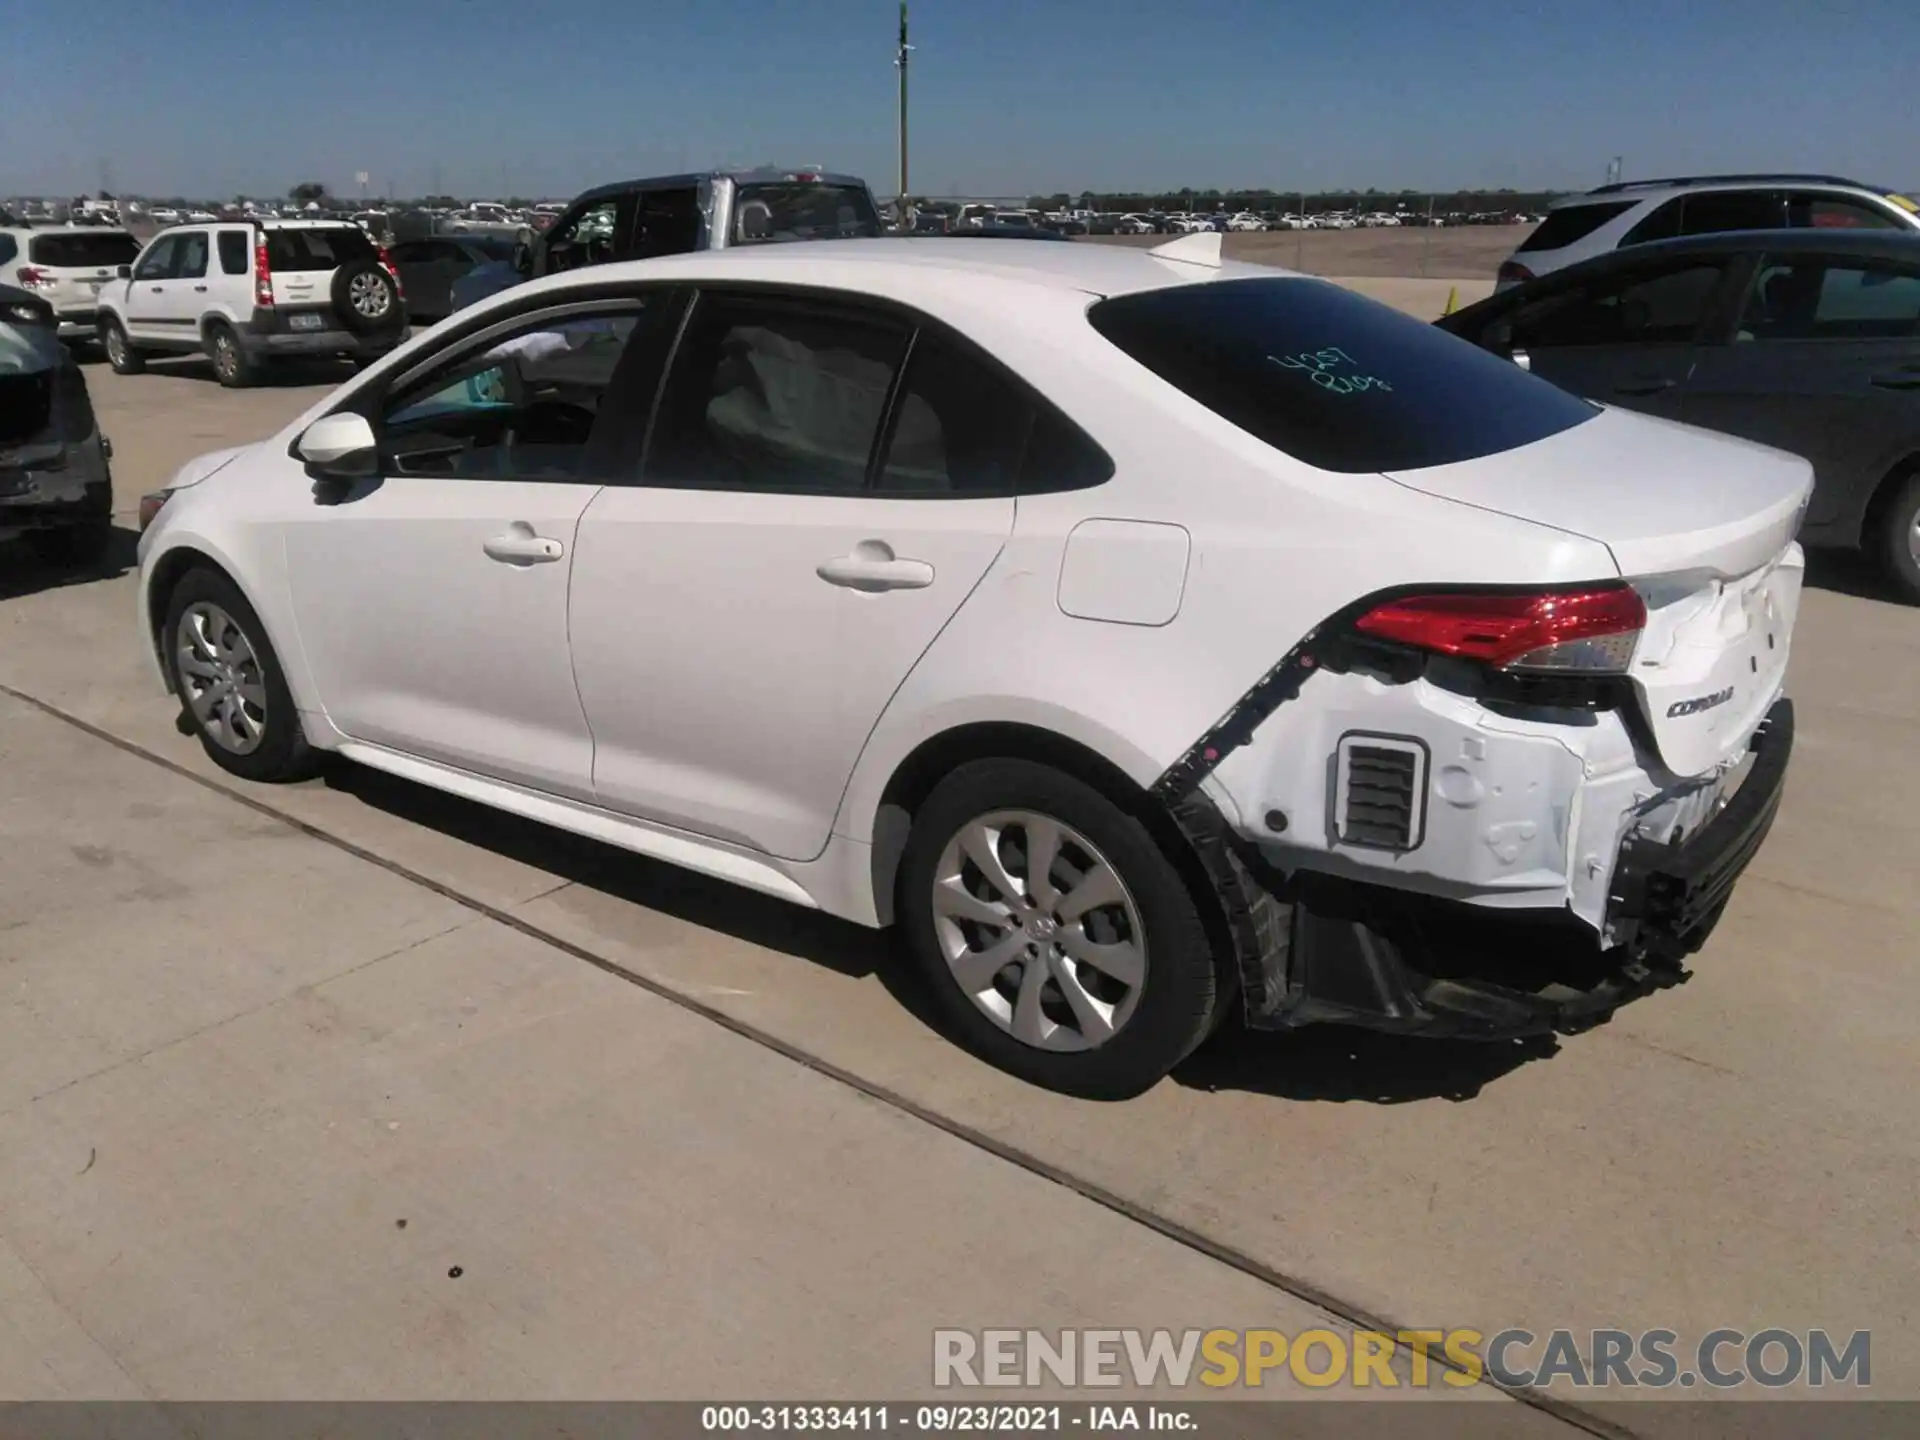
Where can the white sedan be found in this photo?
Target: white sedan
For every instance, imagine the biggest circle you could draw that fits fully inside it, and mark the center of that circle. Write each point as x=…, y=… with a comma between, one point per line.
x=1154, y=640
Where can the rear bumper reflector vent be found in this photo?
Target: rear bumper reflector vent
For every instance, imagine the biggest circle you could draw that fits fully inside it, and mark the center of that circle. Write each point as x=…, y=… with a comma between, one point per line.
x=1380, y=796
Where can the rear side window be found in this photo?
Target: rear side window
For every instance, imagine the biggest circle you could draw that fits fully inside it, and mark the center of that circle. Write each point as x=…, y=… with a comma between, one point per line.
x=1711, y=212
x=293, y=251
x=1821, y=300
x=233, y=252
x=1664, y=305
x=1573, y=222
x=8, y=249
x=1836, y=212
x=1340, y=382
x=101, y=252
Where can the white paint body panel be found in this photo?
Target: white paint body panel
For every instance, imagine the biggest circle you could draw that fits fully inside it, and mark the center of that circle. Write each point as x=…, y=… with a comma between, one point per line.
x=686, y=684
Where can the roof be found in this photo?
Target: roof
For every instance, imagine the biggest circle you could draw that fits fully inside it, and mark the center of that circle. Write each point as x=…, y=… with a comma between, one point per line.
x=1644, y=189
x=1087, y=267
x=1889, y=244
x=758, y=175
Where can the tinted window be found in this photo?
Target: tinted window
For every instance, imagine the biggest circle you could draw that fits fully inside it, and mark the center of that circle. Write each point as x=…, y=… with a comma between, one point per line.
x=526, y=407
x=769, y=395
x=1662, y=224
x=103, y=251
x=158, y=259
x=667, y=222
x=1819, y=300
x=190, y=256
x=803, y=211
x=958, y=426
x=1835, y=212
x=1715, y=211
x=233, y=252
x=1642, y=307
x=1338, y=381
x=293, y=251
x=8, y=249
x=1574, y=222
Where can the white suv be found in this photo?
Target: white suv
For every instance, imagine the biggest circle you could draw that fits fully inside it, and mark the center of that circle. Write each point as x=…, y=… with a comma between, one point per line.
x=1634, y=212
x=248, y=292
x=66, y=266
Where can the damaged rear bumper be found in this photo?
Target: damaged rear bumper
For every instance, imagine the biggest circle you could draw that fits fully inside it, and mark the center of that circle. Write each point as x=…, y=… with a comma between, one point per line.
x=1312, y=947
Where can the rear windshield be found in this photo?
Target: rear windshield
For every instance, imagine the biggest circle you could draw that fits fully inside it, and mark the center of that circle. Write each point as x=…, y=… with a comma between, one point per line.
x=104, y=250
x=1341, y=382
x=1574, y=222
x=803, y=210
x=319, y=249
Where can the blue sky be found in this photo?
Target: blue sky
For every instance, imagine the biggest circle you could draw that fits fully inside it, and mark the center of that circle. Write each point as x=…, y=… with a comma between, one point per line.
x=544, y=97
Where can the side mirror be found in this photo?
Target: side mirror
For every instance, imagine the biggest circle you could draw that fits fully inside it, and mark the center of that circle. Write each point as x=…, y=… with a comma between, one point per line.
x=340, y=448
x=125, y=272
x=1521, y=358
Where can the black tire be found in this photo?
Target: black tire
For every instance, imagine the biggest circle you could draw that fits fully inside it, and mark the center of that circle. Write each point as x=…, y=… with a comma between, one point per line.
x=119, y=350
x=232, y=366
x=79, y=545
x=1180, y=992
x=1896, y=539
x=366, y=299
x=281, y=752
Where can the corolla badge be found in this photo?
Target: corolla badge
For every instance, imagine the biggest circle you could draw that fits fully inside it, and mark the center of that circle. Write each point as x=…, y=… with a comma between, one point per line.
x=1699, y=703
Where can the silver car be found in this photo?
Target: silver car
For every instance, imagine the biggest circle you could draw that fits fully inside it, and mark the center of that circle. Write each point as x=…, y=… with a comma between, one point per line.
x=1633, y=212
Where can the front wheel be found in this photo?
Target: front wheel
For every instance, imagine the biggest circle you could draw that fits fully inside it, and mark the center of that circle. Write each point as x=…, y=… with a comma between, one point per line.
x=230, y=682
x=121, y=355
x=1059, y=941
x=1898, y=541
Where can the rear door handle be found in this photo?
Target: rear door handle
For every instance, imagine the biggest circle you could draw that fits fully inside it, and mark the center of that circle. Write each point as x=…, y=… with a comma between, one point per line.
x=1649, y=386
x=1898, y=380
x=872, y=567
x=520, y=546
x=200, y=289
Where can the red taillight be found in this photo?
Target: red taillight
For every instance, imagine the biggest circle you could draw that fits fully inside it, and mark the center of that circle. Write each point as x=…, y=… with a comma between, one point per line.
x=262, y=273
x=34, y=278
x=386, y=264
x=1590, y=630
x=1512, y=272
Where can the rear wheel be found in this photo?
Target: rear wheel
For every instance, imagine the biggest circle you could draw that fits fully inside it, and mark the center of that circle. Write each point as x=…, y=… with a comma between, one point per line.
x=1898, y=540
x=121, y=355
x=231, y=364
x=230, y=682
x=1058, y=940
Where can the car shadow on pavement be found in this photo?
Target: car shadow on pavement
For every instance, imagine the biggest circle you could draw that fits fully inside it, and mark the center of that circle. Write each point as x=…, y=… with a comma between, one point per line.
x=279, y=375
x=1848, y=572
x=811, y=935
x=22, y=572
x=1343, y=1063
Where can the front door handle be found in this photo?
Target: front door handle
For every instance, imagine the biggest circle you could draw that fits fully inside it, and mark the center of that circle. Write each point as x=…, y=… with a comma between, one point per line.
x=1898, y=380
x=520, y=546
x=872, y=566
x=158, y=291
x=200, y=289
x=1649, y=385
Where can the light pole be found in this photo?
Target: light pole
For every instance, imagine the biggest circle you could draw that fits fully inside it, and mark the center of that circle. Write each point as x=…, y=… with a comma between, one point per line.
x=900, y=62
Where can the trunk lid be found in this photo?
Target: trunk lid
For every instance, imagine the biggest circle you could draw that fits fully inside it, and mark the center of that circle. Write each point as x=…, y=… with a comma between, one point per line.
x=1703, y=526
x=1663, y=497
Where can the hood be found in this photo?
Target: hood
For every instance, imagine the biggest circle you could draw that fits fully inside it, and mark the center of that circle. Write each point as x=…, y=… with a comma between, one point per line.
x=202, y=466
x=1663, y=497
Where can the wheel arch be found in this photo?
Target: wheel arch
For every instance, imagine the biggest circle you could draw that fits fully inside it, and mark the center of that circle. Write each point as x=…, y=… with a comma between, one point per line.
x=1874, y=511
x=916, y=775
x=170, y=567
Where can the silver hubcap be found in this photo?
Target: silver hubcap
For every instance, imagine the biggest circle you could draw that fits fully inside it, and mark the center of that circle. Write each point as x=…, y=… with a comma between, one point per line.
x=116, y=345
x=369, y=295
x=224, y=354
x=1039, y=930
x=221, y=675
x=1913, y=539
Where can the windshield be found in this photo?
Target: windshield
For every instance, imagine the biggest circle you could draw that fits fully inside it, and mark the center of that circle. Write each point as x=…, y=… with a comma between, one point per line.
x=103, y=251
x=803, y=210
x=1344, y=383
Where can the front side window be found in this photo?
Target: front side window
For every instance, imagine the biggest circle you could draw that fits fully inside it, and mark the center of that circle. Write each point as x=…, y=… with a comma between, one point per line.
x=1836, y=212
x=158, y=261
x=525, y=407
x=1818, y=299
x=772, y=394
x=1664, y=306
x=667, y=222
x=1335, y=380
x=587, y=239
x=190, y=256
